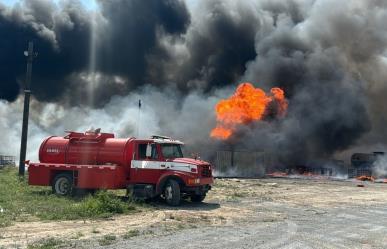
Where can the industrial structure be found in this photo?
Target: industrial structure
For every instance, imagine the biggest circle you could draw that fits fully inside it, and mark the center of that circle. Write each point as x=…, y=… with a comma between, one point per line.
x=232, y=163
x=7, y=161
x=363, y=164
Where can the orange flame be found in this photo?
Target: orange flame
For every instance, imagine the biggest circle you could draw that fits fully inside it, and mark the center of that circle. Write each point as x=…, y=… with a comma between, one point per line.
x=248, y=104
x=221, y=133
x=279, y=96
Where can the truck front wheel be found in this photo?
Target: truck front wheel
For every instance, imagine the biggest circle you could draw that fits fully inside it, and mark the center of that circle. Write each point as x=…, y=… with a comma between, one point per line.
x=63, y=184
x=172, y=193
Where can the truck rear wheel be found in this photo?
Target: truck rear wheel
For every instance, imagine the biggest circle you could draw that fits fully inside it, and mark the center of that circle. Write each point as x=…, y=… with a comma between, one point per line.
x=172, y=193
x=63, y=184
x=197, y=198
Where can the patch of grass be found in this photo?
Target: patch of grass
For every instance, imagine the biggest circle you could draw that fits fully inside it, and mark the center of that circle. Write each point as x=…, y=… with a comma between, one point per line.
x=269, y=219
x=180, y=226
x=107, y=240
x=220, y=183
x=78, y=235
x=204, y=217
x=232, y=198
x=21, y=202
x=131, y=234
x=49, y=243
x=239, y=194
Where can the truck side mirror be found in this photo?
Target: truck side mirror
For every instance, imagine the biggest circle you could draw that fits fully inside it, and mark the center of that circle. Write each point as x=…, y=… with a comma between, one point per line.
x=148, y=152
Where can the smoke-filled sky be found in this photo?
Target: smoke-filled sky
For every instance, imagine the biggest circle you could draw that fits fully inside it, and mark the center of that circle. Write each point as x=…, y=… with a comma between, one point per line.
x=96, y=59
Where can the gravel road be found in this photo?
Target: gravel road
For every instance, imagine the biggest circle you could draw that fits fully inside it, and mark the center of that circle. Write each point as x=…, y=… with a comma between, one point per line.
x=354, y=227
x=334, y=215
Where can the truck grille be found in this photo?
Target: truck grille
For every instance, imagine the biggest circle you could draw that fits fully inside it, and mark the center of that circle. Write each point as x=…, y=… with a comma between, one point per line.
x=206, y=171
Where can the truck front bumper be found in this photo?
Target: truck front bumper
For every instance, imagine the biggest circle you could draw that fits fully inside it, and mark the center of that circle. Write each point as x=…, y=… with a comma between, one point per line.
x=194, y=182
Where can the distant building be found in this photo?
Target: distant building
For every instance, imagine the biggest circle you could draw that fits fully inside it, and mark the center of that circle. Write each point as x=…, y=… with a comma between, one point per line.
x=7, y=161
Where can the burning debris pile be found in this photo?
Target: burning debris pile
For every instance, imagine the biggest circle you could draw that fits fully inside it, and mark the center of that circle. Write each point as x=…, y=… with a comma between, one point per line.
x=249, y=106
x=323, y=169
x=371, y=167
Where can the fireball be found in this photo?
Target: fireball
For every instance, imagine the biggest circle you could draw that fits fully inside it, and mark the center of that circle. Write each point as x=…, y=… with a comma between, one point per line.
x=246, y=105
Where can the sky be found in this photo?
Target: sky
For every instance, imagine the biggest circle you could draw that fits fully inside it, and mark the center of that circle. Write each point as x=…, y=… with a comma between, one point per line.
x=91, y=4
x=88, y=3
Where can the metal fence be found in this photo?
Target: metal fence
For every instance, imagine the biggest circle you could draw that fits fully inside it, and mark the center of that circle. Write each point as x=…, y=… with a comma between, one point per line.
x=7, y=161
x=241, y=163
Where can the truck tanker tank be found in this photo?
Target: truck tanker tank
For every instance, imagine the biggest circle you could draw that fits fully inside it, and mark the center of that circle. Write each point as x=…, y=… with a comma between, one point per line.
x=86, y=148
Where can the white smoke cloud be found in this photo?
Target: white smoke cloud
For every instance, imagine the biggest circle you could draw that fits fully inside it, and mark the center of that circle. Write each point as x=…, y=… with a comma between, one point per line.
x=164, y=112
x=380, y=167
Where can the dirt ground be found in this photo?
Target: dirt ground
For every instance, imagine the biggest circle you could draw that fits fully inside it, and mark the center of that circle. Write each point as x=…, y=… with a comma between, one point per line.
x=237, y=213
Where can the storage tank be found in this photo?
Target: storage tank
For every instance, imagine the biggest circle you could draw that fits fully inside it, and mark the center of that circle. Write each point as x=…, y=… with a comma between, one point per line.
x=91, y=148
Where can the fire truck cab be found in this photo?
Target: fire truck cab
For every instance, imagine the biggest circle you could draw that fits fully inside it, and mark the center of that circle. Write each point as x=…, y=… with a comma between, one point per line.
x=147, y=168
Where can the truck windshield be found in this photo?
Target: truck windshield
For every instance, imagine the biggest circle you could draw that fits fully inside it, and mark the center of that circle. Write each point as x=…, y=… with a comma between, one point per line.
x=171, y=150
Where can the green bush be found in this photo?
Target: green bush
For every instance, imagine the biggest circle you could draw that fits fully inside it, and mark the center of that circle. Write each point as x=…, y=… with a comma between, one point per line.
x=103, y=203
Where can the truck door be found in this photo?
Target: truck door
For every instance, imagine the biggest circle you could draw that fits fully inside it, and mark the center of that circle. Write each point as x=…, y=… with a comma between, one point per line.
x=146, y=168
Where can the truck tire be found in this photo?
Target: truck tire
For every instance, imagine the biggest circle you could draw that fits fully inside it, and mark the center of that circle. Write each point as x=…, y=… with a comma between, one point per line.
x=63, y=184
x=172, y=193
x=197, y=198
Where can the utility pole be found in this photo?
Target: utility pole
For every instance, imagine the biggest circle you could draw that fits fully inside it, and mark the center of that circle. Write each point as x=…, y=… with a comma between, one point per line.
x=27, y=93
x=139, y=118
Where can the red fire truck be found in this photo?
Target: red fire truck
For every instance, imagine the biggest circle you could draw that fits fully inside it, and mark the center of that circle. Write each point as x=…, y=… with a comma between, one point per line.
x=146, y=167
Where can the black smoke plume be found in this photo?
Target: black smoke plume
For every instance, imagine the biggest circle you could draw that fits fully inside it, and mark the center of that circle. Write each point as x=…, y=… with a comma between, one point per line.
x=329, y=58
x=127, y=33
